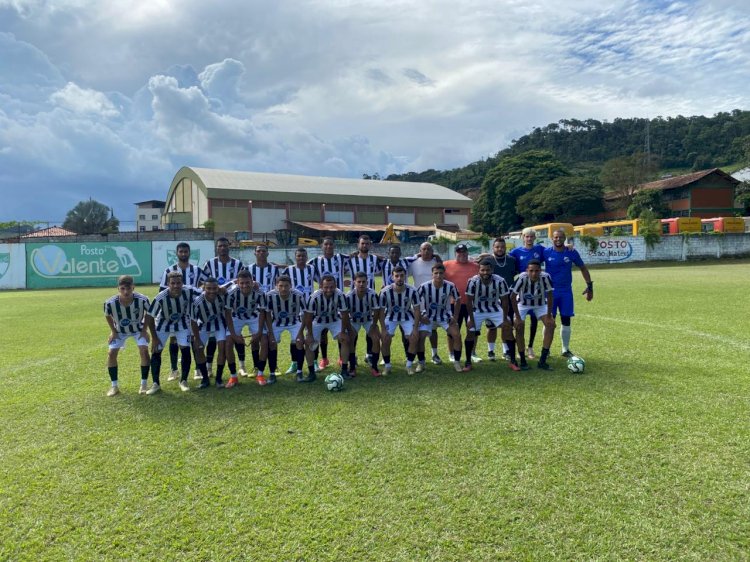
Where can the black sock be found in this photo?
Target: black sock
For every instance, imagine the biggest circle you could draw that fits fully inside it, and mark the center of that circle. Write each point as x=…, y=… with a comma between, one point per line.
x=219, y=371
x=311, y=370
x=174, y=349
x=240, y=349
x=113, y=373
x=469, y=348
x=409, y=356
x=185, y=365
x=256, y=356
x=293, y=352
x=299, y=357
x=203, y=371
x=211, y=350
x=545, y=354
x=352, y=360
x=273, y=356
x=344, y=369
x=261, y=365
x=405, y=343
x=144, y=372
x=368, y=344
x=420, y=356
x=232, y=369
x=532, y=330
x=155, y=366
x=324, y=347
x=511, y=350
x=375, y=359
x=522, y=357
x=387, y=359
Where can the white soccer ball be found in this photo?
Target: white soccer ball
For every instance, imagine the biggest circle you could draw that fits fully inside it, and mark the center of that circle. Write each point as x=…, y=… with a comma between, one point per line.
x=334, y=382
x=576, y=364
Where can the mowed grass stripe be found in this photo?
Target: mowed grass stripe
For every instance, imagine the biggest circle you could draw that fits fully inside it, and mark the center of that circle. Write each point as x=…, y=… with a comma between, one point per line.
x=644, y=456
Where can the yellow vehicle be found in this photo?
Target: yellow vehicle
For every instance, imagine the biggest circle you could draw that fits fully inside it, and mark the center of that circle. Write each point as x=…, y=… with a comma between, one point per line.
x=619, y=228
x=544, y=231
x=723, y=224
x=589, y=230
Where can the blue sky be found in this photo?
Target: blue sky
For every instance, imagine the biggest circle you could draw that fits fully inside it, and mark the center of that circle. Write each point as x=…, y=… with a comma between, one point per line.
x=109, y=100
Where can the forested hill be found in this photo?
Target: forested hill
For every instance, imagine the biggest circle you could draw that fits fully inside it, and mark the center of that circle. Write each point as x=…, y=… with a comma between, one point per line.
x=696, y=142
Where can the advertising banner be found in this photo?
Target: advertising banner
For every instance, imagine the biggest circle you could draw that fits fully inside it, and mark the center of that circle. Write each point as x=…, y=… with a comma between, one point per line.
x=164, y=254
x=12, y=266
x=611, y=249
x=86, y=264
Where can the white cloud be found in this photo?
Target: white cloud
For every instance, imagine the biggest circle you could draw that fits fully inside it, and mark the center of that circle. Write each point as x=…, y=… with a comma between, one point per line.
x=83, y=100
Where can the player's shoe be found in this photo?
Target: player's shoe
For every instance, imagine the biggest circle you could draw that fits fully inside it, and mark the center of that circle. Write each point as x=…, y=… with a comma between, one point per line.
x=261, y=380
x=524, y=366
x=220, y=384
x=143, y=389
x=375, y=372
x=491, y=356
x=467, y=369
x=368, y=359
x=420, y=367
x=567, y=353
x=436, y=360
x=232, y=382
x=271, y=379
x=308, y=378
x=174, y=375
x=197, y=375
x=113, y=391
x=154, y=389
x=506, y=356
x=210, y=369
x=514, y=366
x=323, y=363
x=410, y=370
x=242, y=372
x=353, y=372
x=530, y=353
x=387, y=370
x=475, y=358
x=543, y=366
x=204, y=384
x=184, y=386
x=292, y=368
x=457, y=366
x=382, y=361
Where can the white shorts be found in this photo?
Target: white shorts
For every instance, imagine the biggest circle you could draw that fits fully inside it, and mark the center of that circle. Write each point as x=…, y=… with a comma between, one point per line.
x=182, y=337
x=538, y=311
x=333, y=327
x=357, y=326
x=119, y=341
x=434, y=325
x=406, y=325
x=239, y=323
x=493, y=319
x=205, y=335
x=293, y=330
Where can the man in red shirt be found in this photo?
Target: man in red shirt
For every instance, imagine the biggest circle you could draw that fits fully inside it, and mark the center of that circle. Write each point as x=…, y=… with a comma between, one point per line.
x=458, y=272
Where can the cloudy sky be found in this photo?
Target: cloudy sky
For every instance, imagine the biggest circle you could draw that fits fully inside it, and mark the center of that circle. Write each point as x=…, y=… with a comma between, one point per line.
x=109, y=99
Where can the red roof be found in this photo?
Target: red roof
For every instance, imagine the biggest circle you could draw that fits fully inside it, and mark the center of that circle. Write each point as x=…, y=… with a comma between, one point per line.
x=677, y=181
x=51, y=231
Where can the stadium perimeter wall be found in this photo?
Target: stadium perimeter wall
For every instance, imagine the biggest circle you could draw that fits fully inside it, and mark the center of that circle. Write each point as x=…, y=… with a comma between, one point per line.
x=49, y=265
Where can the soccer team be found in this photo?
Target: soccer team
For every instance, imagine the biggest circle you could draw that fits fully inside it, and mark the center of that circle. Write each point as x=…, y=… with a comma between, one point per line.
x=213, y=311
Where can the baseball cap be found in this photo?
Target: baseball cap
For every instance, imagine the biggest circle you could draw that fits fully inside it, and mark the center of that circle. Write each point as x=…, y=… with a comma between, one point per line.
x=462, y=247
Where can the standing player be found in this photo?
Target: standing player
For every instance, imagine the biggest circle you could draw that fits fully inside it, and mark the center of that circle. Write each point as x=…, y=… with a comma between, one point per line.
x=529, y=251
x=532, y=293
x=244, y=307
x=421, y=272
x=124, y=314
x=558, y=262
x=265, y=275
x=327, y=309
x=458, y=272
x=487, y=300
x=394, y=260
x=191, y=277
x=439, y=304
x=370, y=264
x=223, y=268
x=283, y=308
x=302, y=275
x=505, y=266
x=208, y=320
x=334, y=264
x=400, y=307
x=364, y=310
x=169, y=316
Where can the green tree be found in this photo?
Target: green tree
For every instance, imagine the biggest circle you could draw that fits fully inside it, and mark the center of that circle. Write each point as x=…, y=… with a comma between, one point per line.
x=495, y=209
x=651, y=200
x=623, y=175
x=742, y=197
x=560, y=200
x=91, y=217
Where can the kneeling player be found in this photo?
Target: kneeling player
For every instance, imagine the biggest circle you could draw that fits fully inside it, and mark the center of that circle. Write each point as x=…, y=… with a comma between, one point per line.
x=400, y=307
x=532, y=293
x=439, y=303
x=364, y=310
x=208, y=321
x=327, y=309
x=124, y=314
x=282, y=312
x=487, y=301
x=244, y=307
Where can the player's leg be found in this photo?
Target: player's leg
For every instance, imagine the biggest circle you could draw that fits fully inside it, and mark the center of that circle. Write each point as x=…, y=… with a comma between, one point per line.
x=343, y=341
x=324, y=362
x=454, y=336
x=375, y=336
x=422, y=334
x=472, y=335
x=434, y=348
x=564, y=303
x=390, y=329
x=183, y=340
x=533, y=323
x=299, y=354
x=199, y=347
x=412, y=333
x=491, y=339
x=506, y=332
x=312, y=343
x=174, y=355
x=519, y=325
x=549, y=332
x=114, y=348
x=157, y=347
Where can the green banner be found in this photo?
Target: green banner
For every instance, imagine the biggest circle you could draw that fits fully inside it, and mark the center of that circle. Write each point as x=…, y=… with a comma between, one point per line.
x=88, y=264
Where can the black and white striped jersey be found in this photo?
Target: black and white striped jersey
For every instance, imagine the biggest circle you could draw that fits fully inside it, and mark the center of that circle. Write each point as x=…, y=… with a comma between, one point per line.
x=532, y=293
x=303, y=278
x=173, y=313
x=371, y=266
x=223, y=272
x=191, y=276
x=284, y=312
x=486, y=298
x=361, y=309
x=244, y=307
x=128, y=319
x=388, y=266
x=337, y=265
x=327, y=309
x=209, y=315
x=398, y=306
x=437, y=302
x=264, y=275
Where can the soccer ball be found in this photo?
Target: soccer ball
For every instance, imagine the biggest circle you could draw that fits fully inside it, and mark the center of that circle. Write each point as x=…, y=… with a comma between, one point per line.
x=576, y=364
x=334, y=382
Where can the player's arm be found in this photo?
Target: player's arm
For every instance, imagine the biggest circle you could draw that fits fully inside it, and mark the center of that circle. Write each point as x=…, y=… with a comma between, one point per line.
x=196, y=334
x=112, y=328
x=505, y=304
x=589, y=291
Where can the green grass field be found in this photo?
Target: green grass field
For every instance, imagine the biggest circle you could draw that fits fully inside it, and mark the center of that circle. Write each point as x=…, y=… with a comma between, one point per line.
x=645, y=456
